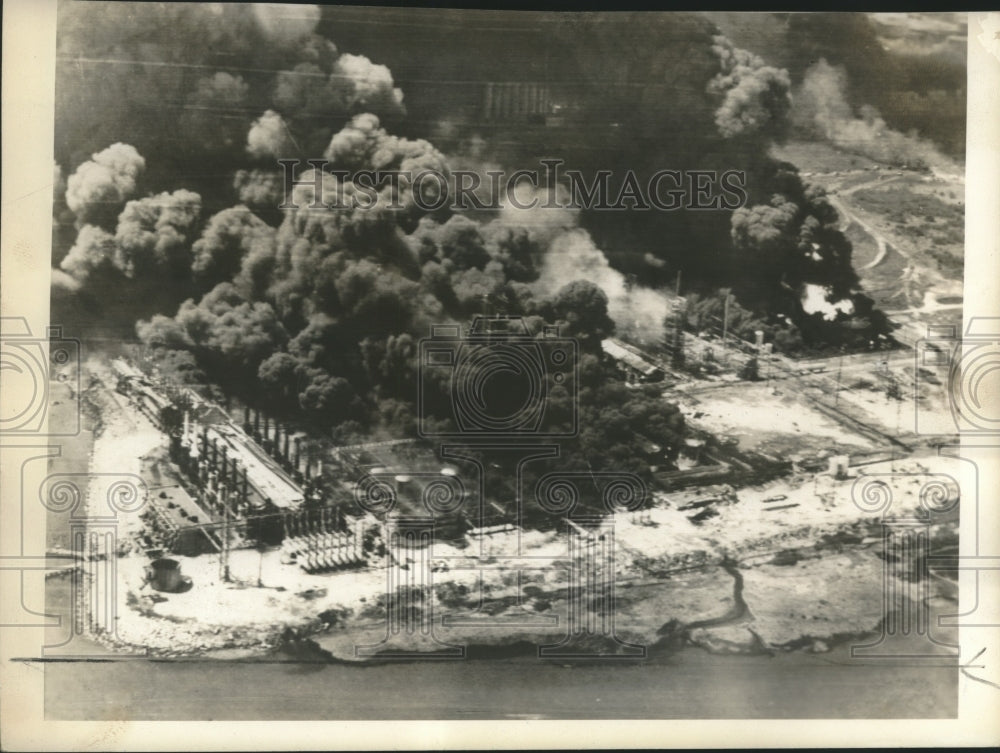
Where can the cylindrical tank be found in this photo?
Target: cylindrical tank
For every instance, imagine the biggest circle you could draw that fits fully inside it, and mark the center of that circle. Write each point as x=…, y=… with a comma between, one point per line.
x=164, y=574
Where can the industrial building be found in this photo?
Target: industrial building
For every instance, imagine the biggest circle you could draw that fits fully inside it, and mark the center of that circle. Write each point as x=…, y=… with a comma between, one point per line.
x=244, y=485
x=631, y=363
x=516, y=100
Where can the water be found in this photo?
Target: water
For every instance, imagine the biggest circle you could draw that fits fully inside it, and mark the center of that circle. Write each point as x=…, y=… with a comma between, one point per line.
x=690, y=684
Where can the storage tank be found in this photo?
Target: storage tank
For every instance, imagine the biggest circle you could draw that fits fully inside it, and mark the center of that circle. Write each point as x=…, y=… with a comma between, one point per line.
x=164, y=574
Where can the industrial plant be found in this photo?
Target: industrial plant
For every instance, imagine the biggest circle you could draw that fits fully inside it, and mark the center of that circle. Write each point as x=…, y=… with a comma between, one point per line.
x=239, y=486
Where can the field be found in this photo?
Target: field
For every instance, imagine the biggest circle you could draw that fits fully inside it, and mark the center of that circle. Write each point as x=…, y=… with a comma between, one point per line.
x=769, y=419
x=906, y=227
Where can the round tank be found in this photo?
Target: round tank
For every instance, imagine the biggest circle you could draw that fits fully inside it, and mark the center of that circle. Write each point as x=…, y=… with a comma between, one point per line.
x=165, y=575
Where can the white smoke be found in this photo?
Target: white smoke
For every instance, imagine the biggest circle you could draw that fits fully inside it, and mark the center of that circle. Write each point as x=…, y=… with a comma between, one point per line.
x=638, y=312
x=286, y=23
x=822, y=104
x=546, y=214
x=369, y=86
x=269, y=137
x=94, y=247
x=571, y=254
x=107, y=179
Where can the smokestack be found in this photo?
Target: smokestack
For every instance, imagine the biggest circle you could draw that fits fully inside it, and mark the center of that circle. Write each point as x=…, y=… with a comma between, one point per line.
x=298, y=451
x=224, y=475
x=256, y=424
x=285, y=452
x=759, y=338
x=203, y=456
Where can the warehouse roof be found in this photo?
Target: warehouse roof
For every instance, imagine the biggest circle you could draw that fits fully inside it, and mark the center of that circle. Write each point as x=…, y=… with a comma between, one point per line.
x=633, y=360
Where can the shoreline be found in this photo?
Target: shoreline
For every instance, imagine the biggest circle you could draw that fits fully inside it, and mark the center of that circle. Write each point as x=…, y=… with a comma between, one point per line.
x=649, y=613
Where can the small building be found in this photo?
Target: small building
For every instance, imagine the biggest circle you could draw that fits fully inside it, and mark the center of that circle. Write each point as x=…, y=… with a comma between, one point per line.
x=839, y=465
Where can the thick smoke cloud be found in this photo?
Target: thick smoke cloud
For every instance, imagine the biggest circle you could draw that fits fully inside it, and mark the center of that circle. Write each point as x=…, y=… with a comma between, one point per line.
x=322, y=303
x=638, y=312
x=259, y=189
x=366, y=85
x=269, y=137
x=286, y=23
x=325, y=84
x=153, y=234
x=364, y=144
x=911, y=68
x=822, y=104
x=764, y=228
x=101, y=184
x=755, y=95
x=213, y=112
x=796, y=260
x=225, y=329
x=94, y=249
x=229, y=237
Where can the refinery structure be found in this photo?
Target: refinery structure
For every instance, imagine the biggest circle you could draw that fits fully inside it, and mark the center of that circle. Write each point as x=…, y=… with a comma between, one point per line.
x=238, y=486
